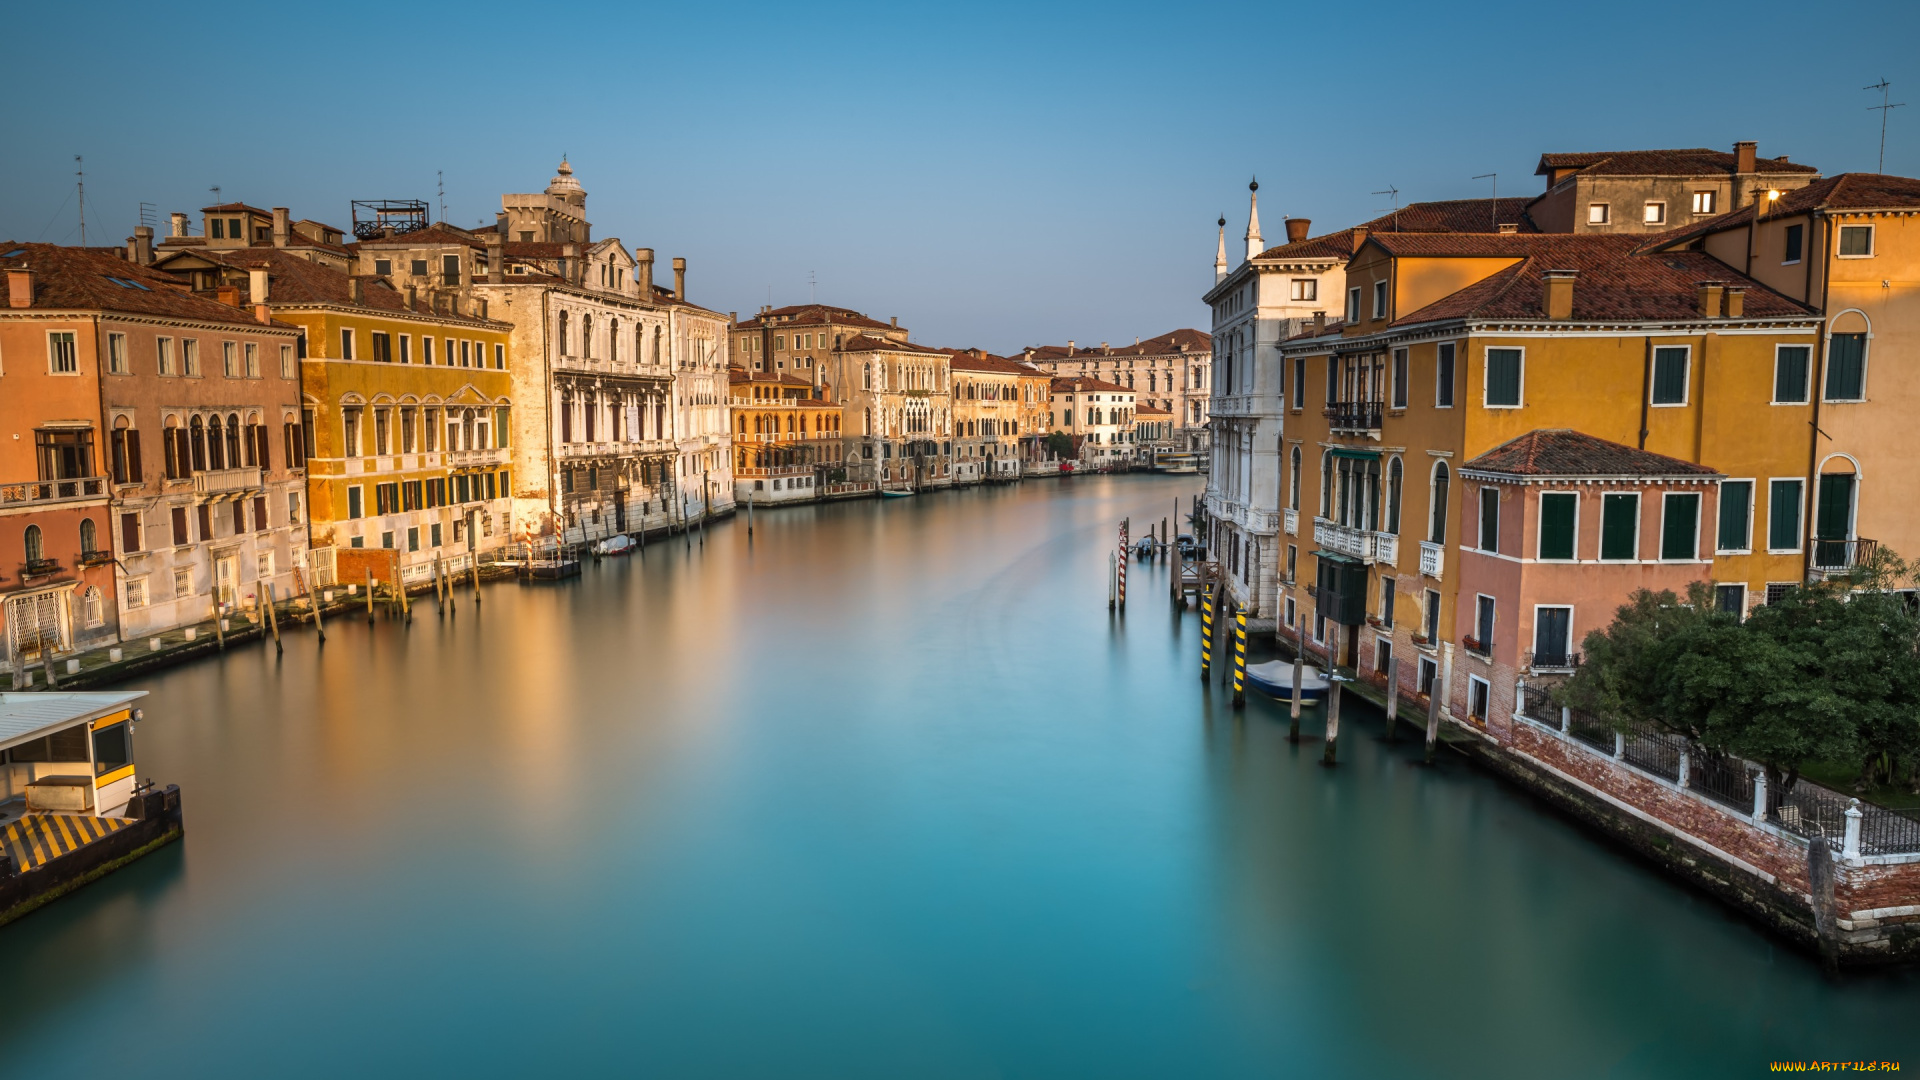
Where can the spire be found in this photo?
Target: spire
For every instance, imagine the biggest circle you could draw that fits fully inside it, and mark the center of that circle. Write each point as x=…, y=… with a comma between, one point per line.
x=1220, y=257
x=1254, y=244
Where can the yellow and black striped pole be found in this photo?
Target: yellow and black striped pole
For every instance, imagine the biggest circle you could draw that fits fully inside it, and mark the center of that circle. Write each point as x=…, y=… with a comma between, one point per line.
x=1206, y=633
x=1239, y=657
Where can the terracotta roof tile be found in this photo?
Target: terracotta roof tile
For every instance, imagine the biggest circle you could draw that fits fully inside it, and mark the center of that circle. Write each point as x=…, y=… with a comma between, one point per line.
x=1565, y=452
x=1074, y=384
x=293, y=281
x=864, y=343
x=811, y=315
x=1847, y=191
x=1171, y=342
x=66, y=277
x=1698, y=161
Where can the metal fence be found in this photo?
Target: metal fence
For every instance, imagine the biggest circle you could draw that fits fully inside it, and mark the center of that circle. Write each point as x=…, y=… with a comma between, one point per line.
x=1654, y=750
x=1723, y=779
x=1591, y=730
x=1536, y=705
x=1812, y=810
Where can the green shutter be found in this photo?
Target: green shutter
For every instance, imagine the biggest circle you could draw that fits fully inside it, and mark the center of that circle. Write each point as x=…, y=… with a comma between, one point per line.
x=1489, y=519
x=1503, y=376
x=1847, y=367
x=1736, y=502
x=1619, y=526
x=1670, y=376
x=1835, y=506
x=1790, y=373
x=1783, y=515
x=1680, y=528
x=1556, y=525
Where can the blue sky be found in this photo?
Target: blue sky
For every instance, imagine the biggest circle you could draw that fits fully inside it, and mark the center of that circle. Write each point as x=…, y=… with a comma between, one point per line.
x=993, y=174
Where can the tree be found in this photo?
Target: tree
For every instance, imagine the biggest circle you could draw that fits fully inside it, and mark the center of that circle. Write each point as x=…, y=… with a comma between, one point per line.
x=1060, y=445
x=1624, y=674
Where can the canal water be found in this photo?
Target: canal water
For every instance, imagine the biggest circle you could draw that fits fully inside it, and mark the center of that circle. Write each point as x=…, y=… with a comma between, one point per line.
x=885, y=792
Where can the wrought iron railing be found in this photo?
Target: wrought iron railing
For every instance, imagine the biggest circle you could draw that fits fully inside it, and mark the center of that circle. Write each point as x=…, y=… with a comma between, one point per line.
x=1653, y=749
x=1591, y=730
x=1355, y=415
x=1843, y=554
x=1722, y=778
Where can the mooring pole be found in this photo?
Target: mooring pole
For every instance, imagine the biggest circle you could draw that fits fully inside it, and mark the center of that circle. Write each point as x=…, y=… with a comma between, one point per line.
x=749, y=515
x=439, y=601
x=1121, y=562
x=219, y=632
x=1239, y=658
x=273, y=622
x=1393, y=694
x=1330, y=754
x=1113, y=579
x=1299, y=675
x=446, y=581
x=1433, y=718
x=400, y=585
x=473, y=563
x=369, y=596
x=1206, y=634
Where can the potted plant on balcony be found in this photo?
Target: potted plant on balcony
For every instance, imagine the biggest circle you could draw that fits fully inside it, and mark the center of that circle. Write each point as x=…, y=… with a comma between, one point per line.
x=1474, y=644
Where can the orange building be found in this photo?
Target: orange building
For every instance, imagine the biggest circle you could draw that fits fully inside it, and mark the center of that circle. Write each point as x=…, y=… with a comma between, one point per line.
x=786, y=436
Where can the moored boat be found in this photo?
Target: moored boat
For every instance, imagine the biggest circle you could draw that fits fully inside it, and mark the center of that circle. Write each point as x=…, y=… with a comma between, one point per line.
x=1275, y=679
x=617, y=544
x=888, y=493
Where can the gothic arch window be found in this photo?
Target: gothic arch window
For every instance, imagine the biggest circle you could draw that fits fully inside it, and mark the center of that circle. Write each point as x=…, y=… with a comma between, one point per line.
x=1394, y=483
x=92, y=608
x=613, y=340
x=1437, y=524
x=1326, y=484
x=586, y=335
x=35, y=545
x=197, y=444
x=216, y=445
x=89, y=537
x=233, y=440
x=563, y=333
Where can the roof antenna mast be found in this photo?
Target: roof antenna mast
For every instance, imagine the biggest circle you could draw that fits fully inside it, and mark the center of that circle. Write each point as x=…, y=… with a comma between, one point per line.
x=80, y=171
x=440, y=188
x=1395, y=193
x=813, y=289
x=1885, y=107
x=1493, y=211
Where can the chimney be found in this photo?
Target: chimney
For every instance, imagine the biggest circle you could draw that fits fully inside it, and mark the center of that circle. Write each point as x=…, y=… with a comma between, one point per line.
x=410, y=297
x=228, y=295
x=733, y=318
x=570, y=259
x=1559, y=289
x=259, y=281
x=679, y=278
x=1509, y=226
x=281, y=230
x=355, y=290
x=1743, y=155
x=1103, y=347
x=1297, y=229
x=1359, y=236
x=177, y=224
x=896, y=322
x=1069, y=346
x=19, y=287
x=1319, y=323
x=496, y=258
x=480, y=307
x=143, y=244
x=1710, y=294
x=643, y=271
x=132, y=253
x=1736, y=301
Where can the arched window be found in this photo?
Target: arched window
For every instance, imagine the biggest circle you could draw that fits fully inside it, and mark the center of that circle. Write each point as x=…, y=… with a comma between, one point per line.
x=233, y=440
x=1293, y=472
x=1437, y=526
x=1326, y=484
x=866, y=376
x=1393, y=496
x=36, y=548
x=586, y=335
x=613, y=340
x=89, y=537
x=216, y=451
x=197, y=444
x=563, y=333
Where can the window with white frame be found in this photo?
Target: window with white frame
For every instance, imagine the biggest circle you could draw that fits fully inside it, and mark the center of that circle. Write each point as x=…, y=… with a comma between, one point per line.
x=1704, y=202
x=190, y=358
x=286, y=361
x=229, y=359
x=1671, y=364
x=1559, y=525
x=1305, y=289
x=1791, y=365
x=1655, y=213
x=1856, y=241
x=346, y=344
x=1597, y=213
x=1680, y=526
x=1552, y=636
x=1731, y=599
x=1489, y=539
x=1353, y=304
x=1505, y=377
x=1379, y=299
x=1734, y=532
x=63, y=354
x=1620, y=526
x=163, y=355
x=1785, y=497
x=117, y=354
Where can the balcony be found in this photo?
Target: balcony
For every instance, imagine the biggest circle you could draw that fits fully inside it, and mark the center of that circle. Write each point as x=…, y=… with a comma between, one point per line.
x=1432, y=558
x=44, y=492
x=467, y=459
x=1360, y=417
x=1833, y=556
x=1362, y=544
x=1292, y=521
x=226, y=481
x=1560, y=662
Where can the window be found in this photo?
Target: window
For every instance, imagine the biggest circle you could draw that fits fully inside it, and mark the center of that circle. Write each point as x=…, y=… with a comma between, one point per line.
x=1353, y=304
x=1847, y=367
x=293, y=508
x=449, y=350
x=1655, y=213
x=1430, y=615
x=449, y=269
x=1856, y=241
x=1731, y=599
x=1443, y=375
x=382, y=425
x=1552, y=637
x=1619, y=527
x=382, y=347
x=263, y=565
x=383, y=267
x=117, y=354
x=350, y=429
x=286, y=361
x=419, y=267
x=1394, y=484
x=130, y=532
x=500, y=357
x=346, y=344
x=1795, y=238
x=1833, y=518
x=1680, y=526
x=466, y=353
x=1386, y=602
x=1483, y=623
x=1305, y=289
x=1597, y=213
x=190, y=358
x=126, y=454
x=1736, y=516
x=1437, y=522
x=1670, y=366
x=163, y=355
x=63, y=357
x=1379, y=299
x=1399, y=378
x=229, y=360
x=1299, y=382
x=1490, y=518
x=1703, y=202
x=356, y=501
x=1429, y=674
x=135, y=590
x=1503, y=378
x=65, y=454
x=179, y=523
x=1558, y=513
x=1790, y=366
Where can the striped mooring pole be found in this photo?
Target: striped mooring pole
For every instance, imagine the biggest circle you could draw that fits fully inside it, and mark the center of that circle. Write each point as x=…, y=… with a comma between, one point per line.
x=1206, y=633
x=1123, y=564
x=1239, y=657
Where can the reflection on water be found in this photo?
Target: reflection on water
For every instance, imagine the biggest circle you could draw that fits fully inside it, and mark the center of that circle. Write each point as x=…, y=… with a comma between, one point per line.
x=886, y=792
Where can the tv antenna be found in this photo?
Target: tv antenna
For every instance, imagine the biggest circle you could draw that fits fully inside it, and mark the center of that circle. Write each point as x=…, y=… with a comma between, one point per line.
x=149, y=214
x=1493, y=212
x=440, y=187
x=1885, y=107
x=813, y=289
x=80, y=185
x=1395, y=193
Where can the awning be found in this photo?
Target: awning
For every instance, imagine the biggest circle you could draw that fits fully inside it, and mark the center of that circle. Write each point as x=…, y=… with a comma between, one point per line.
x=1356, y=453
x=1335, y=556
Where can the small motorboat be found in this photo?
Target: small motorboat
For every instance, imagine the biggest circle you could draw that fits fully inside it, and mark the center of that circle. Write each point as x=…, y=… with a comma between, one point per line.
x=1275, y=679
x=617, y=544
x=1146, y=547
x=889, y=493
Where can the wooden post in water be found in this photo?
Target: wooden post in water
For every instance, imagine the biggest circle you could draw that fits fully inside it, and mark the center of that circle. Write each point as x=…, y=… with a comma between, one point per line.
x=369, y=596
x=400, y=586
x=439, y=601
x=273, y=622
x=749, y=516
x=446, y=581
x=1393, y=694
x=1299, y=676
x=1433, y=717
x=219, y=632
x=474, y=564
x=313, y=600
x=1240, y=658
x=1820, y=890
x=1330, y=753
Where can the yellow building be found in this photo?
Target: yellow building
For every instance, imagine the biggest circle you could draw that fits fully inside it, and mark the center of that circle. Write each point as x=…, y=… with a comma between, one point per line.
x=1455, y=344
x=986, y=417
x=407, y=410
x=786, y=436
